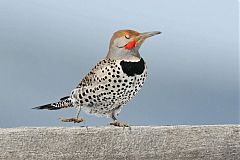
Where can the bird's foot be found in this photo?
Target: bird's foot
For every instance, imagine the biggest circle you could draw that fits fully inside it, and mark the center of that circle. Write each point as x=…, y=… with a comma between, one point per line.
x=75, y=119
x=119, y=124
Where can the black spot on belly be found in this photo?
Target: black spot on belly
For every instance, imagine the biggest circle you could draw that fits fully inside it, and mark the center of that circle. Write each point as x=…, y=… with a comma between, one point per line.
x=133, y=68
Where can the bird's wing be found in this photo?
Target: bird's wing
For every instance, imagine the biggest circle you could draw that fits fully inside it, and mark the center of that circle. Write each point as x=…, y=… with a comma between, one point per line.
x=94, y=84
x=98, y=75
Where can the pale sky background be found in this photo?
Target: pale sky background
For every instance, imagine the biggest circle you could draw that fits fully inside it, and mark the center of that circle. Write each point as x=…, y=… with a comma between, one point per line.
x=47, y=46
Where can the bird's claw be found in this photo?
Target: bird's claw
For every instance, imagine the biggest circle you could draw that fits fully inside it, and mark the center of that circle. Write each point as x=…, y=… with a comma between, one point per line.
x=75, y=120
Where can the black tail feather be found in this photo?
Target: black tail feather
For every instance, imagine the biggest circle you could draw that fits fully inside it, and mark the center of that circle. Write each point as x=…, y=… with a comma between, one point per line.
x=64, y=102
x=49, y=106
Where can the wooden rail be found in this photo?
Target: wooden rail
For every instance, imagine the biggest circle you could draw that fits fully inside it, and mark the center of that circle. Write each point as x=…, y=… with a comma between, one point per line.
x=141, y=142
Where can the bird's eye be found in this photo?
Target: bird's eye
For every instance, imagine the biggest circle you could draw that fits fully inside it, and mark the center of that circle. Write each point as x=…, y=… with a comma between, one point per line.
x=127, y=36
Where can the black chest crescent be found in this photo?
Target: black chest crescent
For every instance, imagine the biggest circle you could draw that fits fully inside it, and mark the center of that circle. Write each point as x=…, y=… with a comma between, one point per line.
x=133, y=68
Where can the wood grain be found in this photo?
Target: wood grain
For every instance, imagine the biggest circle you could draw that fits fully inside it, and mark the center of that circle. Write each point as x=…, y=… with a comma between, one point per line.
x=108, y=142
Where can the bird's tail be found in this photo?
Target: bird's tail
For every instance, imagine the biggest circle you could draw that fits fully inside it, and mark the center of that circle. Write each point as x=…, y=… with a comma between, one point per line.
x=64, y=102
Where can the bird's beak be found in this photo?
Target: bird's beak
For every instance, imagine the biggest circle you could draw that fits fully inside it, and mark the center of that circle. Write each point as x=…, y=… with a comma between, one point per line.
x=148, y=34
x=140, y=39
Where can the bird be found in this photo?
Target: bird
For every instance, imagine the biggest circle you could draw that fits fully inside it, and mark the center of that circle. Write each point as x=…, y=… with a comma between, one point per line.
x=112, y=82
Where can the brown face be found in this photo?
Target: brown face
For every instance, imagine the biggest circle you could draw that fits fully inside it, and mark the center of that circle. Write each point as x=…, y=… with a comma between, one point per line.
x=125, y=44
x=129, y=39
x=128, y=35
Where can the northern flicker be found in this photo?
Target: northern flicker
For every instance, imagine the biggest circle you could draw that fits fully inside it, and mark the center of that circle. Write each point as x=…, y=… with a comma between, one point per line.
x=112, y=82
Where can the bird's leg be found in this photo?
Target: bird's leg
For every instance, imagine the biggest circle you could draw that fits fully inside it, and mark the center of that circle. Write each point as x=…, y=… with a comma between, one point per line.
x=76, y=119
x=118, y=123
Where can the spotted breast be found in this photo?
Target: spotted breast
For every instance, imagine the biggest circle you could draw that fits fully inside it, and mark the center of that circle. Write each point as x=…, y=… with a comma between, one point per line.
x=110, y=85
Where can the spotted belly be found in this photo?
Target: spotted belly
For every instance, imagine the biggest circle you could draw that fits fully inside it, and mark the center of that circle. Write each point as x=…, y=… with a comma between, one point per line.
x=113, y=91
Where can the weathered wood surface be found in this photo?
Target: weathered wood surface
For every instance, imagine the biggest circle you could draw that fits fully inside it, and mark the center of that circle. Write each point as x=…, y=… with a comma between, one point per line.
x=142, y=142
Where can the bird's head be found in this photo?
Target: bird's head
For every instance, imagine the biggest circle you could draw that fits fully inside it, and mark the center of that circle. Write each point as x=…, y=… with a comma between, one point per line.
x=125, y=44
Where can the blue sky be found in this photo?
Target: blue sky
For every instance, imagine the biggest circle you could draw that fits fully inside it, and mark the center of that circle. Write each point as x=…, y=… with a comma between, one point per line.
x=46, y=47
